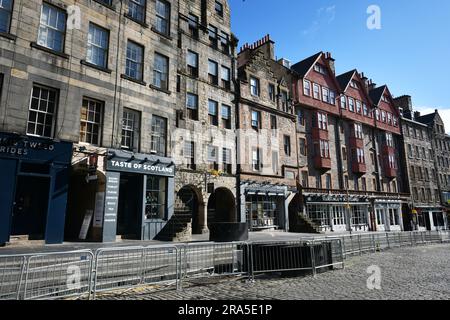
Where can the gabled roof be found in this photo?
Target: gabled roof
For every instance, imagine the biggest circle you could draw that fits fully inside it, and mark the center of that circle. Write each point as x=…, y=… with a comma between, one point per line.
x=427, y=119
x=303, y=67
x=376, y=94
x=345, y=78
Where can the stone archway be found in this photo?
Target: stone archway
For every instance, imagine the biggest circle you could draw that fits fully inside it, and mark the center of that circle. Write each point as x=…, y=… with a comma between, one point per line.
x=222, y=207
x=189, y=203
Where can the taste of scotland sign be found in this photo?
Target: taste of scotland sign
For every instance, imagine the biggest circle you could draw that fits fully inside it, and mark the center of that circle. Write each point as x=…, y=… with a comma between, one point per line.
x=141, y=168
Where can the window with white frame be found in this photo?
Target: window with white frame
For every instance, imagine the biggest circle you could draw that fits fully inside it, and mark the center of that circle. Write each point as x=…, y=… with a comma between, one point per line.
x=358, y=106
x=365, y=110
x=161, y=72
x=359, y=217
x=189, y=154
x=389, y=140
x=136, y=9
x=97, y=48
x=256, y=120
x=338, y=215
x=192, y=63
x=192, y=106
x=159, y=136
x=213, y=72
x=351, y=104
x=325, y=95
x=319, y=214
x=225, y=76
x=42, y=112
x=254, y=86
x=226, y=116
x=52, y=28
x=91, y=121
x=383, y=116
x=163, y=17
x=332, y=97
x=213, y=157
x=134, y=61
x=316, y=89
x=360, y=156
x=306, y=88
x=359, y=131
x=324, y=149
x=213, y=112
x=6, y=7
x=343, y=102
x=322, y=121
x=130, y=129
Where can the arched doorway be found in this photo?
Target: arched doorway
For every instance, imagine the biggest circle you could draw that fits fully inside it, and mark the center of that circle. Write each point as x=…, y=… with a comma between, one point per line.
x=294, y=213
x=222, y=207
x=187, y=205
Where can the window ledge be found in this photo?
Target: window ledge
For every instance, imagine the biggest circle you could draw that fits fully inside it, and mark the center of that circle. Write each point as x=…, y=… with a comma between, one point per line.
x=91, y=65
x=168, y=37
x=51, y=51
x=142, y=23
x=160, y=89
x=8, y=36
x=106, y=5
x=124, y=76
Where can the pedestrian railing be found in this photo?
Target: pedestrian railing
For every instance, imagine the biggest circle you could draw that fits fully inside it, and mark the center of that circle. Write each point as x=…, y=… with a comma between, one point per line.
x=84, y=274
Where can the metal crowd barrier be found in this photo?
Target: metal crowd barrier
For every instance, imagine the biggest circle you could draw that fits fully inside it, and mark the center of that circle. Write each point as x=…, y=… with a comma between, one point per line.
x=129, y=267
x=83, y=274
x=212, y=259
x=12, y=270
x=56, y=275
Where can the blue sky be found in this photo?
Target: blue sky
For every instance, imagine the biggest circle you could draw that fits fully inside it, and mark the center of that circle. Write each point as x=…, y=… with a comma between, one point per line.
x=410, y=53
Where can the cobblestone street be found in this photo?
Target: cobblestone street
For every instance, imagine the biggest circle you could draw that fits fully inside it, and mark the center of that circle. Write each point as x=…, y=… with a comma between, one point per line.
x=420, y=273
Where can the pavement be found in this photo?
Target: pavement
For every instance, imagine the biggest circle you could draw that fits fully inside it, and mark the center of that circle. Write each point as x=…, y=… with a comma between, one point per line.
x=29, y=247
x=409, y=273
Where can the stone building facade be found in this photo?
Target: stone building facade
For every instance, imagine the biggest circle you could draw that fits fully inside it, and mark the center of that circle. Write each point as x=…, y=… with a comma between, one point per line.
x=267, y=158
x=426, y=171
x=205, y=142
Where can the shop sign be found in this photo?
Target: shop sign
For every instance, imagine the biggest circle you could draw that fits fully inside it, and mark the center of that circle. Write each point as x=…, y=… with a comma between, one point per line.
x=141, y=168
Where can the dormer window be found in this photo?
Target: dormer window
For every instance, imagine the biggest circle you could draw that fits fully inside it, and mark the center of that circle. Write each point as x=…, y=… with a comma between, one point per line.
x=354, y=84
x=320, y=69
x=385, y=99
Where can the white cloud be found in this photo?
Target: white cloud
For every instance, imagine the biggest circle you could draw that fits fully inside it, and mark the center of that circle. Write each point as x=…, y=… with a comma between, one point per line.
x=444, y=113
x=323, y=15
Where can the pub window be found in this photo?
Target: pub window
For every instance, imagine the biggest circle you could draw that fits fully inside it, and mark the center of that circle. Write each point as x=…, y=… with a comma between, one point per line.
x=226, y=116
x=155, y=198
x=213, y=72
x=91, y=121
x=159, y=136
x=192, y=106
x=42, y=112
x=6, y=7
x=52, y=28
x=130, y=130
x=213, y=112
x=161, y=72
x=134, y=61
x=192, y=63
x=97, y=48
x=226, y=160
x=163, y=17
x=226, y=78
x=136, y=10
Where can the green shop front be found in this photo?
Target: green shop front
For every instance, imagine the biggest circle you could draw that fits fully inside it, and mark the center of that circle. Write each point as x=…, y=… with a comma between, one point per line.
x=139, y=195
